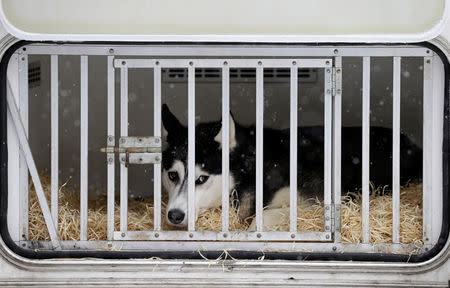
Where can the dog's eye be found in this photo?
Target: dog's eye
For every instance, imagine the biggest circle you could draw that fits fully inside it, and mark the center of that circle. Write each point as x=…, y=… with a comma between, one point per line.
x=201, y=180
x=173, y=176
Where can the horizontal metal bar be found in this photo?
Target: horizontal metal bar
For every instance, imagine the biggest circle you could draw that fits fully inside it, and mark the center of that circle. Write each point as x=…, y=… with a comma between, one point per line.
x=130, y=150
x=227, y=51
x=225, y=236
x=141, y=158
x=290, y=246
x=140, y=141
x=208, y=63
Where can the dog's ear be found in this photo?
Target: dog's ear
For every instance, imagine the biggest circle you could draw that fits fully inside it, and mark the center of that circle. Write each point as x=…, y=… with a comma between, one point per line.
x=170, y=122
x=233, y=143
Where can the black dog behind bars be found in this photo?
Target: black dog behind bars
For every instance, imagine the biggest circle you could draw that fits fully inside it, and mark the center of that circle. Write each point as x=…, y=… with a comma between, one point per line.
x=276, y=159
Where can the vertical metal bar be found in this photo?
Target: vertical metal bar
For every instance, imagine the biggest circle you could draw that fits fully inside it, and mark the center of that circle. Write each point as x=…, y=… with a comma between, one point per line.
x=396, y=151
x=427, y=148
x=23, y=183
x=365, y=150
x=259, y=146
x=111, y=142
x=327, y=137
x=12, y=108
x=337, y=122
x=84, y=149
x=328, y=94
x=191, y=148
x=54, y=137
x=225, y=147
x=293, y=152
x=157, y=133
x=123, y=132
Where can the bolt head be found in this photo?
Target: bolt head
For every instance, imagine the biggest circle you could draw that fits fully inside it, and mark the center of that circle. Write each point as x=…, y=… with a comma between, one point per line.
x=111, y=51
x=258, y=235
x=124, y=62
x=191, y=63
x=225, y=63
x=191, y=235
x=294, y=62
x=334, y=248
x=225, y=235
x=336, y=51
x=156, y=140
x=156, y=235
x=292, y=235
x=259, y=63
x=123, y=234
x=157, y=62
x=157, y=158
x=328, y=236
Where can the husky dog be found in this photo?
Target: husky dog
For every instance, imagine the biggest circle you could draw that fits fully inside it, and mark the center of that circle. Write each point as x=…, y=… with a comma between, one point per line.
x=208, y=164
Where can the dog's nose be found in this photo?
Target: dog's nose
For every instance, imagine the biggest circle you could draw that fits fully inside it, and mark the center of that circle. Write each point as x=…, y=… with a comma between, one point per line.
x=175, y=216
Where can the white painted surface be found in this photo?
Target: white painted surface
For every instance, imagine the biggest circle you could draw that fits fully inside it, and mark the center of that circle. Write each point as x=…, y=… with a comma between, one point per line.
x=234, y=20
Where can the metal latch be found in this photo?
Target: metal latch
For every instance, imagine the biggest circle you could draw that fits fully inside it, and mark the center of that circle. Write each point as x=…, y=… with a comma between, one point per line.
x=135, y=150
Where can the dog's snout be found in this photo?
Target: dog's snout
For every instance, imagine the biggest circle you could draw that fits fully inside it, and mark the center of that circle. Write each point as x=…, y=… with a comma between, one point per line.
x=175, y=216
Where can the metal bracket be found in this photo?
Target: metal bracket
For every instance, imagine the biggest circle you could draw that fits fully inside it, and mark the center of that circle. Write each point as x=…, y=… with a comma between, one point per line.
x=134, y=150
x=336, y=81
x=335, y=217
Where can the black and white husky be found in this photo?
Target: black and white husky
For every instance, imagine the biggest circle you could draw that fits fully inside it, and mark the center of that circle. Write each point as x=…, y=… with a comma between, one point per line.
x=208, y=164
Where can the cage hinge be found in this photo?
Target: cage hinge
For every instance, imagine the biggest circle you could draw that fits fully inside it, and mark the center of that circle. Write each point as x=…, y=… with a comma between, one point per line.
x=134, y=150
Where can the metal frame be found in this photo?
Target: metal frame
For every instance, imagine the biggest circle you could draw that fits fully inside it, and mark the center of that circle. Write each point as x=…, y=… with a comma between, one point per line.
x=225, y=64
x=342, y=51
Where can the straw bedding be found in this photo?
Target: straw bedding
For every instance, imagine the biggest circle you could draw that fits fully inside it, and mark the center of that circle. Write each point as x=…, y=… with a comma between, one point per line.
x=310, y=216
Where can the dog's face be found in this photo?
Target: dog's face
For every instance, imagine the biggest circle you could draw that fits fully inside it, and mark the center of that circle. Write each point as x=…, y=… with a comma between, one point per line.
x=208, y=166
